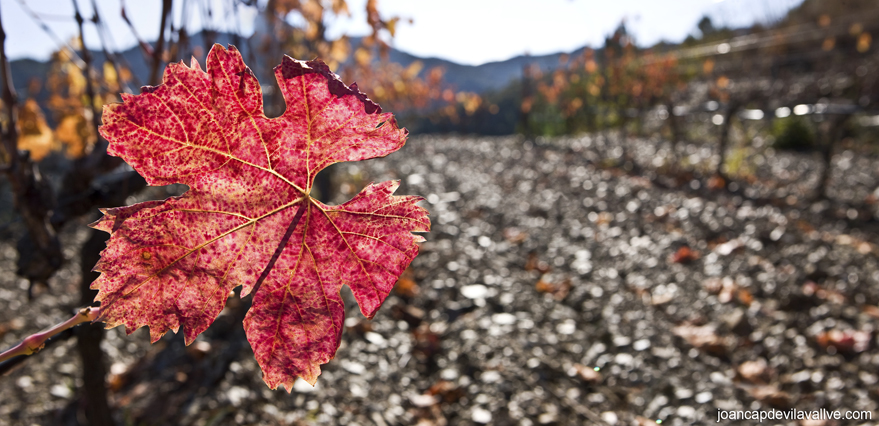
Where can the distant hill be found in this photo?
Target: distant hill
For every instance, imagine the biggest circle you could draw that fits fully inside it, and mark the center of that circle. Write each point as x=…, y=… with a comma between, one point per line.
x=485, y=77
x=811, y=10
x=25, y=69
x=479, y=78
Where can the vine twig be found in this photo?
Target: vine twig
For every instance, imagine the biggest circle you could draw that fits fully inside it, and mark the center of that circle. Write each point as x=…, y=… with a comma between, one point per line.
x=33, y=343
x=58, y=41
x=144, y=46
x=109, y=55
x=87, y=59
x=160, y=43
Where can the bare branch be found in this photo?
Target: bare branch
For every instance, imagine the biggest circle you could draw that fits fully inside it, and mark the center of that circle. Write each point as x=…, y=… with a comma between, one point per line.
x=109, y=55
x=87, y=59
x=33, y=343
x=10, y=135
x=39, y=21
x=144, y=46
x=160, y=43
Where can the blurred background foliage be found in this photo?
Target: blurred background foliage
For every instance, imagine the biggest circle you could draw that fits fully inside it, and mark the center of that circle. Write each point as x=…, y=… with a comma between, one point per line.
x=819, y=52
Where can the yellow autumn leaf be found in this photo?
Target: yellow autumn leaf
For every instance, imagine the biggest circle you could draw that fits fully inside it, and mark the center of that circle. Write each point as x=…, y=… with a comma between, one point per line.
x=75, y=132
x=34, y=134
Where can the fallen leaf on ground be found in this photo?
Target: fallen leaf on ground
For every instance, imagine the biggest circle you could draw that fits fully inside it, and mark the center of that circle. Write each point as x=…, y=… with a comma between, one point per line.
x=535, y=264
x=702, y=337
x=684, y=255
x=406, y=285
x=558, y=290
x=845, y=341
x=756, y=371
x=587, y=374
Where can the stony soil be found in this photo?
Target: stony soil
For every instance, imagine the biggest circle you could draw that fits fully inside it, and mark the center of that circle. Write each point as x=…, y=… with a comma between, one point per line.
x=565, y=281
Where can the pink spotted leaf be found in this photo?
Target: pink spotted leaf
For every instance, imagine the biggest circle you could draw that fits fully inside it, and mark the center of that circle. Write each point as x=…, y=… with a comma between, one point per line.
x=248, y=218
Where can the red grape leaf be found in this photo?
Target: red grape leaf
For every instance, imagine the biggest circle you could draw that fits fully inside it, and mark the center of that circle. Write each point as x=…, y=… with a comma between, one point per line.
x=248, y=218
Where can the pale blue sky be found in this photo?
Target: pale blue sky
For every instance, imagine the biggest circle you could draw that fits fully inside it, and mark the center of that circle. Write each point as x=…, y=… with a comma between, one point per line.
x=464, y=31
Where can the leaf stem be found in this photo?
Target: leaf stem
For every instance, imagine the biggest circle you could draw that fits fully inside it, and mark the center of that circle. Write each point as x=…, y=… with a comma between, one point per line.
x=33, y=343
x=282, y=245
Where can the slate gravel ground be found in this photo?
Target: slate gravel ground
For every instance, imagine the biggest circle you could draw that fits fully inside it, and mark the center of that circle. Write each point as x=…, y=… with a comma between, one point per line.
x=565, y=281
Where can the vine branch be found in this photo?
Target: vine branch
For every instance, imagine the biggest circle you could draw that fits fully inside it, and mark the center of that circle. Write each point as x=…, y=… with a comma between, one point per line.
x=87, y=59
x=144, y=46
x=33, y=343
x=160, y=43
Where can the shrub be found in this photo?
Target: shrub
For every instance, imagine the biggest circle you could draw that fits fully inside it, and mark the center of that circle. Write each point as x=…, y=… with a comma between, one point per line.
x=793, y=134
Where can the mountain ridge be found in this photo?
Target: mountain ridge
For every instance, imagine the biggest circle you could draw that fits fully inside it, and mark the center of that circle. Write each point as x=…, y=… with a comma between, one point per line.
x=472, y=78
